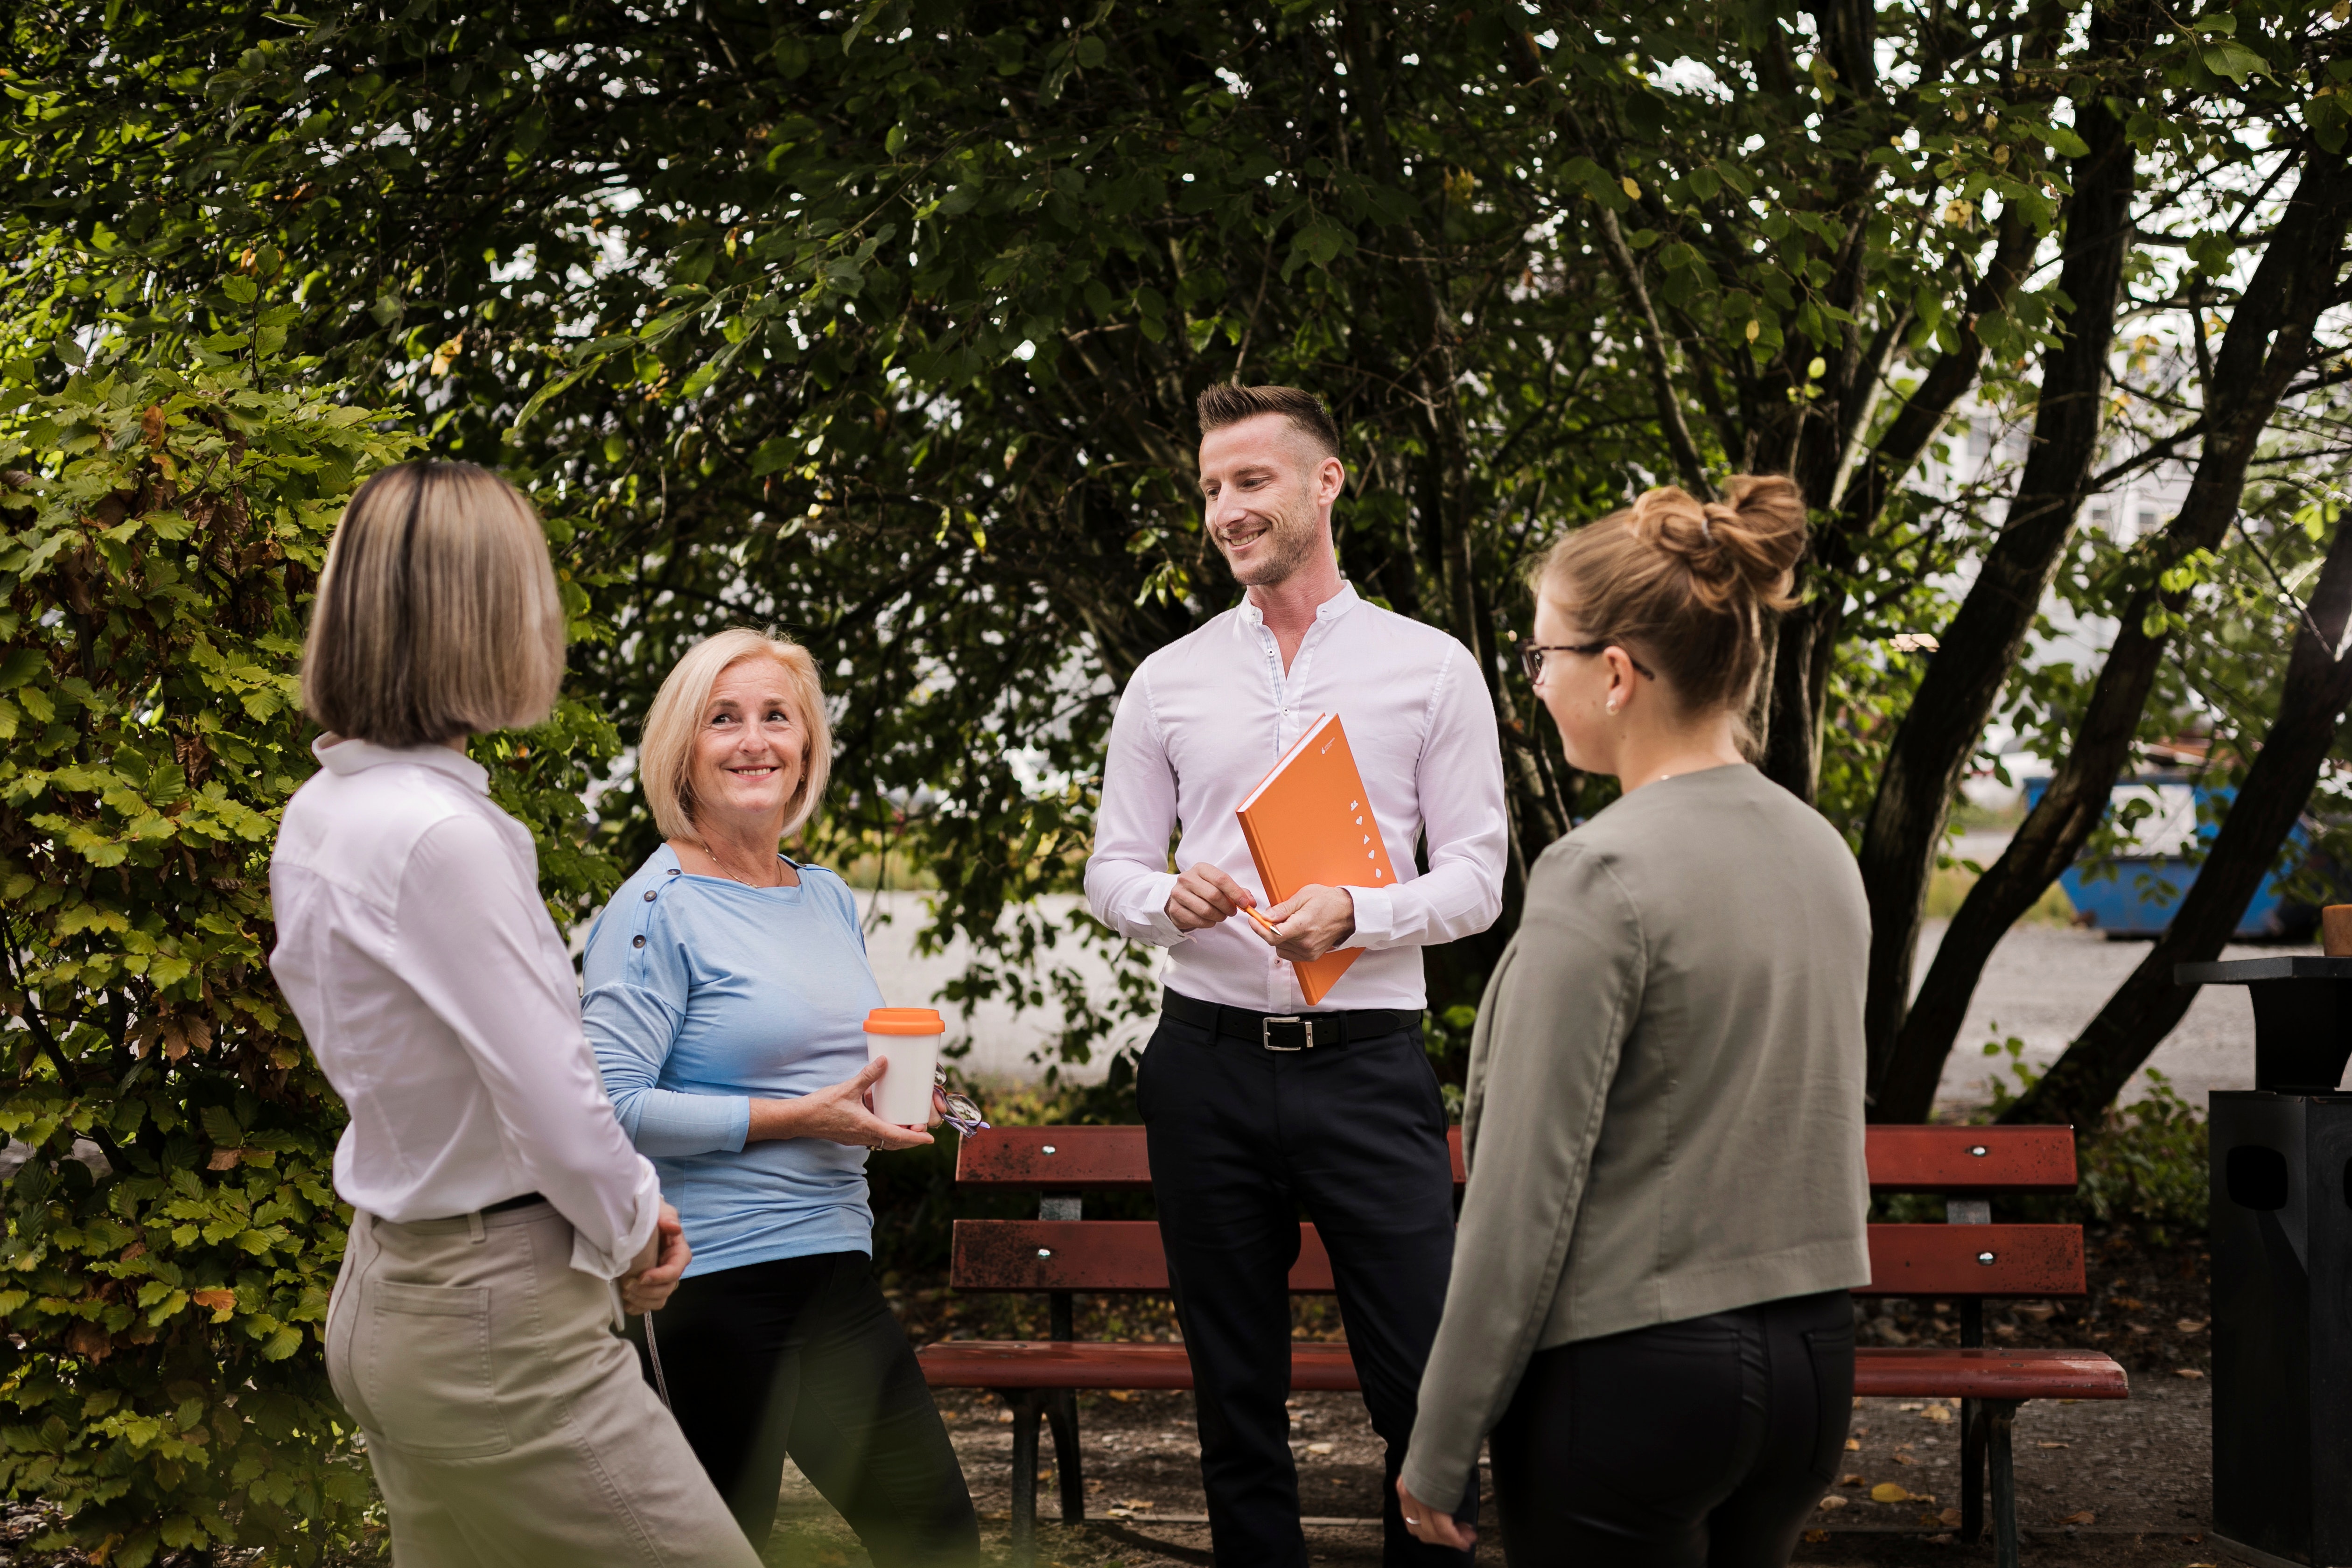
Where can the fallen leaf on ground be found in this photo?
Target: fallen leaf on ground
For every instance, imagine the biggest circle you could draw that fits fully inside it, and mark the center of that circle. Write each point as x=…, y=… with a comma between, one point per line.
x=1949, y=1516
x=2190, y=1325
x=1941, y=1415
x=1319, y=1447
x=1815, y=1537
x=2186, y=1372
x=1854, y=1444
x=2084, y=1516
x=1832, y=1503
x=1851, y=1479
x=1121, y=1395
x=1890, y=1491
x=1909, y=1407
x=2053, y=1445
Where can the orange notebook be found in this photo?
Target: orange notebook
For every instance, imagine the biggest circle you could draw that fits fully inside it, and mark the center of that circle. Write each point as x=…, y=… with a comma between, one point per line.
x=1308, y=822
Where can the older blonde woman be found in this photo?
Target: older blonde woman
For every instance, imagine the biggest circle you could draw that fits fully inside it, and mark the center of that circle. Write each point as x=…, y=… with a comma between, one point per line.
x=494, y=1199
x=727, y=994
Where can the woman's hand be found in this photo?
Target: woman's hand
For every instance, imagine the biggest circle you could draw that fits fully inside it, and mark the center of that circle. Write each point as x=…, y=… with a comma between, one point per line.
x=1432, y=1527
x=646, y=1286
x=838, y=1114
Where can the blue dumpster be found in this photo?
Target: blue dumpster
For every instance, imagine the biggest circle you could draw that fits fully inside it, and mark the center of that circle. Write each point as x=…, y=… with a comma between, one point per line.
x=2135, y=894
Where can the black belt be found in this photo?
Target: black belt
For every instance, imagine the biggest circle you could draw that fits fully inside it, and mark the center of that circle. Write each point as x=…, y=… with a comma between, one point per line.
x=522, y=1202
x=1287, y=1031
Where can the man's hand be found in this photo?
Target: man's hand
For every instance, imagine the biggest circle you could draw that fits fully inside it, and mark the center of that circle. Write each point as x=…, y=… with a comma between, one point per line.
x=1430, y=1527
x=646, y=1286
x=1205, y=896
x=1311, y=922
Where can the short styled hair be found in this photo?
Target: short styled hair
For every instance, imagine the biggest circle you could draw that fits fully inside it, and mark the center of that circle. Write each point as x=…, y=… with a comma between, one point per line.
x=1225, y=404
x=438, y=614
x=666, y=754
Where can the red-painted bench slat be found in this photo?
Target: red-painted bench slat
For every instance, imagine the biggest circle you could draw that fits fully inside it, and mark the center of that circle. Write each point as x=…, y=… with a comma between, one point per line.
x=1880, y=1371
x=1901, y=1159
x=1944, y=1160
x=2029, y=1260
x=1027, y=1363
x=1928, y=1372
x=1094, y=1159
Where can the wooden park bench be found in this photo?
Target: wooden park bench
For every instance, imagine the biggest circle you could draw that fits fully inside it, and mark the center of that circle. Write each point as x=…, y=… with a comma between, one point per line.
x=1966, y=1261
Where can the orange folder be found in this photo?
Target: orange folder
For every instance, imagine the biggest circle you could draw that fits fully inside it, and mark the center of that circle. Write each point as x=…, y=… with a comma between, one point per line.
x=1308, y=822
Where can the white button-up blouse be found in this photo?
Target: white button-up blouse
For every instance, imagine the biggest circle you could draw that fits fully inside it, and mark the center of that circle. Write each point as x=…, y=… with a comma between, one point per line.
x=440, y=1002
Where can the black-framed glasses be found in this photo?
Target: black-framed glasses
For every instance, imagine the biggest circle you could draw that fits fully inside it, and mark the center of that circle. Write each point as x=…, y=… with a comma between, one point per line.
x=1531, y=656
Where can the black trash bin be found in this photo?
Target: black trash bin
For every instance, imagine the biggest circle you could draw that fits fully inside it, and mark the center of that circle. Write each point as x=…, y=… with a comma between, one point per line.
x=2282, y=1223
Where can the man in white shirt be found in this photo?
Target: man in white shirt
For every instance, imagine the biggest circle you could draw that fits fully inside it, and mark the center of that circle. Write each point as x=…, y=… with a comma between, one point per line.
x=1256, y=1105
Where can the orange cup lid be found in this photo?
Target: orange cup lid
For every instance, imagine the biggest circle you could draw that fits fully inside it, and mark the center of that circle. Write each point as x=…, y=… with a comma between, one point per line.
x=905, y=1021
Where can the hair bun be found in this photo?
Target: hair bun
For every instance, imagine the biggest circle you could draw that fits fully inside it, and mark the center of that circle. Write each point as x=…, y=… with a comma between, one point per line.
x=1743, y=547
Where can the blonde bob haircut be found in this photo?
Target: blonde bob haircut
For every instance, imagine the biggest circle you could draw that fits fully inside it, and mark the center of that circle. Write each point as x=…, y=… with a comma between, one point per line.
x=437, y=613
x=666, y=755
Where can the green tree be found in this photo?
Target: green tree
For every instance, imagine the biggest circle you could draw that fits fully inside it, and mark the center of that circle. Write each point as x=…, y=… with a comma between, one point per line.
x=173, y=1233
x=882, y=324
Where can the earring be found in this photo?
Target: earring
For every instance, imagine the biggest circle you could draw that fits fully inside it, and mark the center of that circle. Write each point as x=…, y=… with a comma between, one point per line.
x=1612, y=705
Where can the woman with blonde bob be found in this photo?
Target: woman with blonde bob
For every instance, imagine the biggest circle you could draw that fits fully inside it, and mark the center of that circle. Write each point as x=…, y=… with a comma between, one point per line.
x=727, y=994
x=496, y=1202
x=1663, y=1125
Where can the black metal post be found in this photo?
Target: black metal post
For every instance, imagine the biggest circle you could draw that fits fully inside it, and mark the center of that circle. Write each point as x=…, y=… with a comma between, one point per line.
x=2001, y=1414
x=1972, y=1434
x=1024, y=1402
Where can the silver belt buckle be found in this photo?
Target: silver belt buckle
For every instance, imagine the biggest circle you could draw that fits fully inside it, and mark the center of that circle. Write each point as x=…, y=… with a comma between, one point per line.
x=1305, y=1032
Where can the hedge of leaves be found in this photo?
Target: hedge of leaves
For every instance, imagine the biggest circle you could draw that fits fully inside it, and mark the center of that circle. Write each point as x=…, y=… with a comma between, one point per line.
x=172, y=1238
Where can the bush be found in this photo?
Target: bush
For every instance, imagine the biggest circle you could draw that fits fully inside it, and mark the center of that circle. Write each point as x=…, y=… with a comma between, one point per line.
x=2144, y=1163
x=172, y=1236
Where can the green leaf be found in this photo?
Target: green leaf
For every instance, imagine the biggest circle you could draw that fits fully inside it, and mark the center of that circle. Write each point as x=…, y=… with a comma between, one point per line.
x=2234, y=61
x=2063, y=142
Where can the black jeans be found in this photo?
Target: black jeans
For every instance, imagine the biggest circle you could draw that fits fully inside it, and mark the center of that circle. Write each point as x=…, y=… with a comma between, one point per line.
x=801, y=1356
x=1702, y=1443
x=1242, y=1138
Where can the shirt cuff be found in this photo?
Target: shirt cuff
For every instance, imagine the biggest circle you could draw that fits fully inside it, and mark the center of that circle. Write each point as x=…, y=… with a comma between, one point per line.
x=1375, y=917
x=1163, y=932
x=738, y=1125
x=589, y=1259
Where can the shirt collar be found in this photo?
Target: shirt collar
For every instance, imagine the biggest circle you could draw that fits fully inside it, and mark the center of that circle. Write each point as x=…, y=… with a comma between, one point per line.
x=1330, y=609
x=348, y=757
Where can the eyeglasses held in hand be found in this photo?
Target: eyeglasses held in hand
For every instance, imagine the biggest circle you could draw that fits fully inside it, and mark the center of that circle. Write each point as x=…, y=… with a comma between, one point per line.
x=963, y=1113
x=1531, y=656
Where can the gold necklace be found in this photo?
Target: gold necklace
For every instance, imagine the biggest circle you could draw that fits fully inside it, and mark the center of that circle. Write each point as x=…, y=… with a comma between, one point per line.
x=704, y=845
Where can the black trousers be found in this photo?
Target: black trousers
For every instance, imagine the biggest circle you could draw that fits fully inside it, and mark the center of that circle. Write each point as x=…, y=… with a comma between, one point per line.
x=1702, y=1443
x=1242, y=1140
x=801, y=1356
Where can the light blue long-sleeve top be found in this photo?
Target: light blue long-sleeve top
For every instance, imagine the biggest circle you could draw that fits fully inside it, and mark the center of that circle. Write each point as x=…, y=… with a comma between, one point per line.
x=703, y=994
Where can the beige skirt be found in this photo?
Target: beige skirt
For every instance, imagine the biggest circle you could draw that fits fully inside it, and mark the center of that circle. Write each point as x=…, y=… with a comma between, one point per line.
x=507, y=1424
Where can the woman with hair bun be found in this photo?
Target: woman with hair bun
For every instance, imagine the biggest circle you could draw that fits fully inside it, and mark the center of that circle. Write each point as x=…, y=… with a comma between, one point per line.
x=1648, y=1308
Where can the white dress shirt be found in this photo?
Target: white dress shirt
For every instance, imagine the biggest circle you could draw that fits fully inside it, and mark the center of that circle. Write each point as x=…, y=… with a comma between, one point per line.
x=1207, y=717
x=441, y=1004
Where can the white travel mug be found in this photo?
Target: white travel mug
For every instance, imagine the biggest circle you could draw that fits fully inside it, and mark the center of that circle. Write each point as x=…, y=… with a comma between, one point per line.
x=909, y=1040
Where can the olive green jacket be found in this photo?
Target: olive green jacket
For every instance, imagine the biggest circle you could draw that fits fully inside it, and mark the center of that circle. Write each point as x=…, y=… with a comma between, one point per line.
x=1664, y=1116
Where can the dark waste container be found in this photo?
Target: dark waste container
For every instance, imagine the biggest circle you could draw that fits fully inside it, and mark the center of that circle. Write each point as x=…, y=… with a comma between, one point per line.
x=2281, y=1227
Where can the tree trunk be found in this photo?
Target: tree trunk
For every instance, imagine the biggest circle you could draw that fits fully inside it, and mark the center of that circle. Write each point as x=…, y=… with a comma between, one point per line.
x=1808, y=635
x=2268, y=345
x=1939, y=732
x=2082, y=1084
